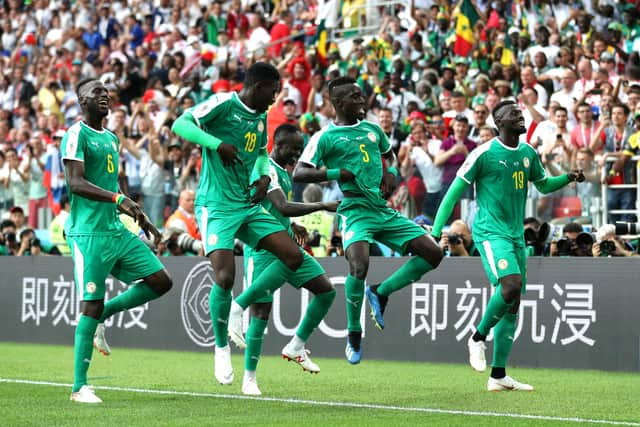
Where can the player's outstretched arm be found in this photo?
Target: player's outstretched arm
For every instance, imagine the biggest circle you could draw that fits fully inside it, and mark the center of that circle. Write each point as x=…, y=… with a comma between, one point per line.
x=294, y=209
x=550, y=184
x=305, y=172
x=454, y=193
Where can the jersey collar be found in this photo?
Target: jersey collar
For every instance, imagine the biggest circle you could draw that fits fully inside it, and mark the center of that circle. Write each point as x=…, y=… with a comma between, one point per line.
x=243, y=104
x=499, y=141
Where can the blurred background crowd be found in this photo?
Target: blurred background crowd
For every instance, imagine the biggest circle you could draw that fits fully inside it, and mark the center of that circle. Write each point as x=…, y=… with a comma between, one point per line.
x=431, y=72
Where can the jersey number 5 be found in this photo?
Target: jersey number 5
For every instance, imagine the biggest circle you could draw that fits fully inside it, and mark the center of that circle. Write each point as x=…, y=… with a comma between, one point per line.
x=365, y=155
x=110, y=167
x=250, y=141
x=518, y=180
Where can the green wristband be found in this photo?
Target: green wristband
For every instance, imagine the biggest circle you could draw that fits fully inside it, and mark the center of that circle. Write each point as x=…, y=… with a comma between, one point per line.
x=333, y=174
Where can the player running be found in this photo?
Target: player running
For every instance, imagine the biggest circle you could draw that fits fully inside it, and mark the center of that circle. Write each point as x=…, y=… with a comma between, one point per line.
x=352, y=151
x=231, y=128
x=501, y=169
x=100, y=244
x=288, y=143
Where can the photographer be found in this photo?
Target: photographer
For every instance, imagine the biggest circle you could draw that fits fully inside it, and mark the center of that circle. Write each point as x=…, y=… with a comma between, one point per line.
x=457, y=241
x=176, y=242
x=8, y=242
x=29, y=243
x=574, y=242
x=609, y=245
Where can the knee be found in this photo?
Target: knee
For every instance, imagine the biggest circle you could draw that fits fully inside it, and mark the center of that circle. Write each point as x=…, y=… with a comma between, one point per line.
x=166, y=284
x=261, y=311
x=294, y=260
x=511, y=290
x=434, y=257
x=93, y=309
x=358, y=269
x=224, y=278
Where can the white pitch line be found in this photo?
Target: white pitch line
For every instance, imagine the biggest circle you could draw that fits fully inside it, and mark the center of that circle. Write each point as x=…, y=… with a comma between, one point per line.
x=355, y=405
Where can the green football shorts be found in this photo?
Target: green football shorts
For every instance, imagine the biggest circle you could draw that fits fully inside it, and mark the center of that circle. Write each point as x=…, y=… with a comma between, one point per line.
x=358, y=221
x=123, y=255
x=502, y=257
x=255, y=262
x=220, y=228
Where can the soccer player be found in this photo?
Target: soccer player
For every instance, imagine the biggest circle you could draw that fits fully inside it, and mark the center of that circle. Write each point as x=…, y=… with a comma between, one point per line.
x=99, y=242
x=231, y=128
x=288, y=143
x=501, y=169
x=352, y=150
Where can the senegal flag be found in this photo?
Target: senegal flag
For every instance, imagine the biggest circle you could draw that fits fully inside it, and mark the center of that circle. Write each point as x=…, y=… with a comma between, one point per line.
x=467, y=16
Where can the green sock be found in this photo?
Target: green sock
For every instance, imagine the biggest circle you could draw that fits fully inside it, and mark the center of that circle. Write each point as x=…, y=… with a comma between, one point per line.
x=254, y=337
x=496, y=308
x=136, y=295
x=354, y=292
x=219, y=306
x=82, y=350
x=503, y=336
x=411, y=271
x=317, y=309
x=271, y=279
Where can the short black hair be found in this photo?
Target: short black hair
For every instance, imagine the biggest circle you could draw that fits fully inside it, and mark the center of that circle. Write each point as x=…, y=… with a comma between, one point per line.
x=531, y=220
x=561, y=108
x=500, y=106
x=283, y=131
x=84, y=82
x=339, y=82
x=6, y=224
x=261, y=72
x=625, y=108
x=572, y=227
x=64, y=200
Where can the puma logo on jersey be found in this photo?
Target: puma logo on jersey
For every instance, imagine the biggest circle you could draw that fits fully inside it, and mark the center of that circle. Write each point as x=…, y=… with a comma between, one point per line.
x=237, y=117
x=503, y=163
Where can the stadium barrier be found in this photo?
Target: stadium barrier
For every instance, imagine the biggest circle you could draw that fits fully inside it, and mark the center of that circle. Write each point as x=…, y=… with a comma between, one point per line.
x=578, y=313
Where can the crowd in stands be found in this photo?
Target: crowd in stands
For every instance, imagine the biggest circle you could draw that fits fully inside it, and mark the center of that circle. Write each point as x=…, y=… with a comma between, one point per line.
x=430, y=82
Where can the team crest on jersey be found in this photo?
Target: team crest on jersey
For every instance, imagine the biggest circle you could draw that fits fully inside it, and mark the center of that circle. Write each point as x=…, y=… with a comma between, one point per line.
x=503, y=264
x=260, y=127
x=348, y=235
x=525, y=162
x=91, y=287
x=212, y=239
x=371, y=136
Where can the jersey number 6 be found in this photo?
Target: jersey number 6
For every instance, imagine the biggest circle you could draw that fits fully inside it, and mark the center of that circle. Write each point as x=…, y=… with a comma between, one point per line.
x=110, y=167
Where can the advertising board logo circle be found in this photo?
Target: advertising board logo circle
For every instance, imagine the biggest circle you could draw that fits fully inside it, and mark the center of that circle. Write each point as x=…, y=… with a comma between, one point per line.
x=194, y=304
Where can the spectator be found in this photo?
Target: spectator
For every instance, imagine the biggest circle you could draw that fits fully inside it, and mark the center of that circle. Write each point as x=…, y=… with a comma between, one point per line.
x=589, y=191
x=56, y=228
x=8, y=238
x=457, y=241
x=184, y=217
x=15, y=179
x=453, y=151
x=480, y=116
x=16, y=215
x=35, y=163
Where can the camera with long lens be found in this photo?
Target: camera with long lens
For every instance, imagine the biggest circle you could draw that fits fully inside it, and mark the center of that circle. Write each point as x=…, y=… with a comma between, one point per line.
x=581, y=246
x=177, y=241
x=539, y=239
x=627, y=228
x=607, y=247
x=454, y=239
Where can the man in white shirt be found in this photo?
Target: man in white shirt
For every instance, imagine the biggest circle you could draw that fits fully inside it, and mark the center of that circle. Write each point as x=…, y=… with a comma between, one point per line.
x=567, y=96
x=528, y=77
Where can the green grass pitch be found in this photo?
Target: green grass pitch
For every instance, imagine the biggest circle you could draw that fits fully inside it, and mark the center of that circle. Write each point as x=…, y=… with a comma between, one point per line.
x=372, y=393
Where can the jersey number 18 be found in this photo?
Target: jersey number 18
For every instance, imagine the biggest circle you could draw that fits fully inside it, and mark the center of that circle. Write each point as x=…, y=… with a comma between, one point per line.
x=250, y=141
